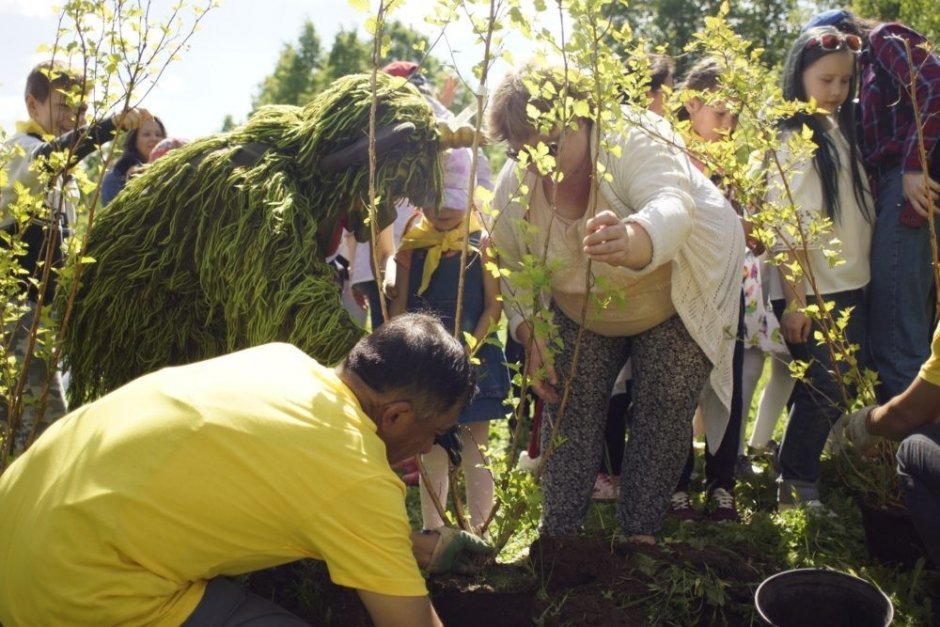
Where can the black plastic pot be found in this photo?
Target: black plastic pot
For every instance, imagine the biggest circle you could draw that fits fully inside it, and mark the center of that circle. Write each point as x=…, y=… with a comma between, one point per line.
x=814, y=597
x=890, y=536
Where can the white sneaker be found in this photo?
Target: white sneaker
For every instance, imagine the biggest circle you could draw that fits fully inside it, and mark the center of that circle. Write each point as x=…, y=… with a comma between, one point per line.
x=526, y=463
x=813, y=507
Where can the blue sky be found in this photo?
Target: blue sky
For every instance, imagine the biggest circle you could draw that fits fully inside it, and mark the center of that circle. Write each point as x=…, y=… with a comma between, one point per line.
x=236, y=47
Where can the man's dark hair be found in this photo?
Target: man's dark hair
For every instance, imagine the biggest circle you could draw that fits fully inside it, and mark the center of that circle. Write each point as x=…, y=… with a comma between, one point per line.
x=662, y=67
x=50, y=75
x=414, y=354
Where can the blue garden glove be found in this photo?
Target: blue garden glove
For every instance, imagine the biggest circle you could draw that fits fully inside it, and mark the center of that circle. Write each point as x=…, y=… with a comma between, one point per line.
x=457, y=552
x=451, y=442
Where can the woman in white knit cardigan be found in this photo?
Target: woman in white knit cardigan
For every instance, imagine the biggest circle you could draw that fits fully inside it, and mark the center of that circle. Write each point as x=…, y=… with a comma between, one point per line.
x=665, y=251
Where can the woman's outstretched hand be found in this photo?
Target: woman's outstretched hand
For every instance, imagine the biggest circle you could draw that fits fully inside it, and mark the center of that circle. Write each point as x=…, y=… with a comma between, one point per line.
x=617, y=243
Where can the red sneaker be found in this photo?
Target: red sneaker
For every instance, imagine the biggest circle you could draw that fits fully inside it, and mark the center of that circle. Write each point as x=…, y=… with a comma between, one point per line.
x=606, y=488
x=680, y=506
x=721, y=506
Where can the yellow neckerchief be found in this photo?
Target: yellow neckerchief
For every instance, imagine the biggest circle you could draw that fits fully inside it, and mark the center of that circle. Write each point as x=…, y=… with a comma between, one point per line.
x=424, y=235
x=30, y=127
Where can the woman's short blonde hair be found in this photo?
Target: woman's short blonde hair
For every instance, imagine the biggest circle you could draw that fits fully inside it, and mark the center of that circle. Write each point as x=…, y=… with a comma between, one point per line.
x=544, y=87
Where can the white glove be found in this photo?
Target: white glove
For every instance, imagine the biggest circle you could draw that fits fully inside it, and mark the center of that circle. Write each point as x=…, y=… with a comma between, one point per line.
x=854, y=426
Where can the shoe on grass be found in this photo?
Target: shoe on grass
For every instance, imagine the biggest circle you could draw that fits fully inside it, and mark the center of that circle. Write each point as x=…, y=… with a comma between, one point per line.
x=680, y=506
x=606, y=488
x=721, y=506
x=526, y=463
x=743, y=467
x=812, y=507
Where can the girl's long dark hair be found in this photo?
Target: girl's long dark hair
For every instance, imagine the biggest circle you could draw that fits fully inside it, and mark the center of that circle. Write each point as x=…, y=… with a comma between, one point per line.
x=130, y=156
x=826, y=159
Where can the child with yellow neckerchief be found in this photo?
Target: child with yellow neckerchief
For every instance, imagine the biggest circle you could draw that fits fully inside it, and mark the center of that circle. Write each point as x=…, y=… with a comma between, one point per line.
x=428, y=260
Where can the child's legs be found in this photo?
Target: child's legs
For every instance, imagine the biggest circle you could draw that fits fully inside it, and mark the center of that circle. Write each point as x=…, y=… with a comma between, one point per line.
x=669, y=372
x=817, y=401
x=479, y=480
x=772, y=401
x=37, y=376
x=750, y=375
x=436, y=467
x=719, y=465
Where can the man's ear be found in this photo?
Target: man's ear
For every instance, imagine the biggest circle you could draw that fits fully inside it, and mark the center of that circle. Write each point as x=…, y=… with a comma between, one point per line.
x=32, y=105
x=693, y=105
x=395, y=414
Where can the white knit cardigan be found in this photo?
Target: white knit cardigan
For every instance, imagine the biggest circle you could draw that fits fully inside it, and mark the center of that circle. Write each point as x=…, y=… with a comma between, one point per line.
x=691, y=225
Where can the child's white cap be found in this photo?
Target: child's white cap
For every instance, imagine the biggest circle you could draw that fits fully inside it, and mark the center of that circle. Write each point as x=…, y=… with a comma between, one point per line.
x=456, y=164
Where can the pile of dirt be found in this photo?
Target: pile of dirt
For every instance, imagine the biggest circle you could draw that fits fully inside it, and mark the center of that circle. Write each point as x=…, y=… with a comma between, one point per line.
x=569, y=580
x=596, y=581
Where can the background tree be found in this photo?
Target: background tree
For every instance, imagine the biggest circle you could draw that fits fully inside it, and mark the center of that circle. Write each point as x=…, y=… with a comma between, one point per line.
x=768, y=24
x=303, y=70
x=921, y=15
x=294, y=78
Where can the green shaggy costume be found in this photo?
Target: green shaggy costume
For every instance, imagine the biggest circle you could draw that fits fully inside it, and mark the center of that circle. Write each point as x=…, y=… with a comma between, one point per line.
x=220, y=245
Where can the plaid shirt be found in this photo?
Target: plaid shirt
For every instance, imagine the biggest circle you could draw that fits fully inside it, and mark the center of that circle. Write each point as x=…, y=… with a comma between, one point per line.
x=888, y=133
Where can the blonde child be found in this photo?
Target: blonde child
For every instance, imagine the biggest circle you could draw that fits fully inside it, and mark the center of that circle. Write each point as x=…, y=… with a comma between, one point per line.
x=428, y=262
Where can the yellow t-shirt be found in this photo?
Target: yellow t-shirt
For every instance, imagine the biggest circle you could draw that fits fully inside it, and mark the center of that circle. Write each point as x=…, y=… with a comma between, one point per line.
x=122, y=510
x=930, y=371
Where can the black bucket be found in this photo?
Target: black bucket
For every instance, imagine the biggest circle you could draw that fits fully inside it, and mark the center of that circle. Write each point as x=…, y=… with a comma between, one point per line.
x=811, y=597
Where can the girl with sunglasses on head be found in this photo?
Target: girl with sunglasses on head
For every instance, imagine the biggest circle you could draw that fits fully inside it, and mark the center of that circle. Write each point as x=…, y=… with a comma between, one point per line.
x=820, y=67
x=664, y=252
x=902, y=292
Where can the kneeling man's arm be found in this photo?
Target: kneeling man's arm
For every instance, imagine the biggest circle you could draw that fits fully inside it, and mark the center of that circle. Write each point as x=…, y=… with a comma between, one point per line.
x=396, y=611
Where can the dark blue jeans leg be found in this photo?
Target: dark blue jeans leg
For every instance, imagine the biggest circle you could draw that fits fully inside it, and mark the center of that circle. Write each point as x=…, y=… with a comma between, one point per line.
x=919, y=471
x=901, y=293
x=817, y=402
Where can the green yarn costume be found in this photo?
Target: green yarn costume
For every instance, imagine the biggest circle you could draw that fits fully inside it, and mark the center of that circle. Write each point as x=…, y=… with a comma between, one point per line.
x=220, y=244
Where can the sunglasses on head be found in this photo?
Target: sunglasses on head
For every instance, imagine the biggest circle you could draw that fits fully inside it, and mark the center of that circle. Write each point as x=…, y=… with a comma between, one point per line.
x=513, y=154
x=832, y=42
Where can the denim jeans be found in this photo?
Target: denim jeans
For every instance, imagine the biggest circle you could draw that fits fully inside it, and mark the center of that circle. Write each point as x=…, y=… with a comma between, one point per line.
x=901, y=293
x=919, y=471
x=816, y=402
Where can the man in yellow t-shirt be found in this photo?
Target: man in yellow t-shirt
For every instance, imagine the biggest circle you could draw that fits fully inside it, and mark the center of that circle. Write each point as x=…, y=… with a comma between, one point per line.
x=132, y=509
x=912, y=416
